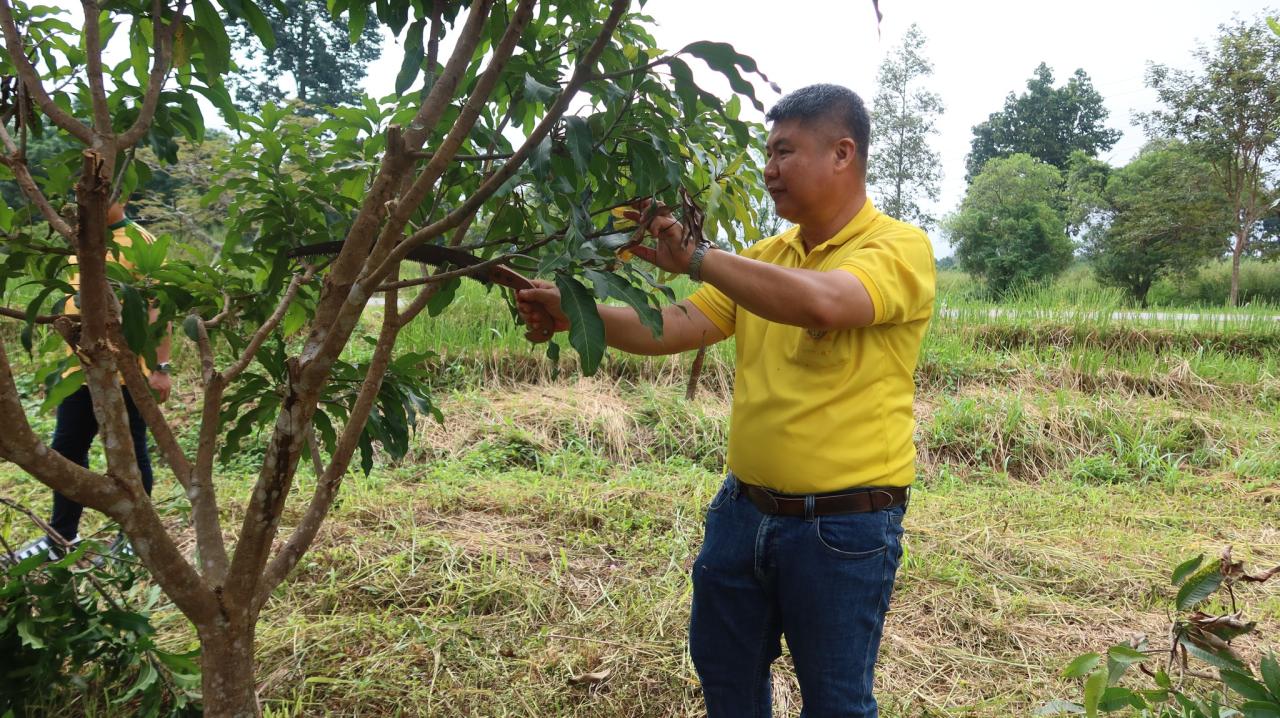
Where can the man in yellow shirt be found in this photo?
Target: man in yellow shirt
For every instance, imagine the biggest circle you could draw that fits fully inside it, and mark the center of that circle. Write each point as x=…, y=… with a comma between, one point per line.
x=76, y=426
x=803, y=537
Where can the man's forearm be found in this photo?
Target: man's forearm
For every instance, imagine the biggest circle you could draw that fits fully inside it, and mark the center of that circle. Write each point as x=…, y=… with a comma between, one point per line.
x=799, y=297
x=624, y=330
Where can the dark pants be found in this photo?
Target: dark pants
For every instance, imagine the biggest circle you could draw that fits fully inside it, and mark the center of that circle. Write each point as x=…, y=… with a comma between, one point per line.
x=73, y=434
x=824, y=582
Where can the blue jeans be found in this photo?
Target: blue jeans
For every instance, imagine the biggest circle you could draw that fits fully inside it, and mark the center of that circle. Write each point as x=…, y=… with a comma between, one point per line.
x=73, y=433
x=825, y=582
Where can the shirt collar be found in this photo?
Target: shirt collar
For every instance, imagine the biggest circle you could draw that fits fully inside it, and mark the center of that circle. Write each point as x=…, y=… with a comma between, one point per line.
x=856, y=226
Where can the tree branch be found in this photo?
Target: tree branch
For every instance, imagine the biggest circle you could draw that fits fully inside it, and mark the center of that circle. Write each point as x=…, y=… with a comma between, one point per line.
x=40, y=318
x=581, y=75
x=327, y=485
x=631, y=71
x=31, y=78
x=93, y=68
x=264, y=331
x=159, y=69
x=445, y=86
x=16, y=161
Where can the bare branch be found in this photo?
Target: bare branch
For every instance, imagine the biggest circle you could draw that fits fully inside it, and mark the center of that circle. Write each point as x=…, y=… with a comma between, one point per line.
x=93, y=68
x=222, y=315
x=17, y=162
x=159, y=69
x=140, y=392
x=31, y=78
x=327, y=485
x=264, y=331
x=631, y=71
x=40, y=318
x=465, y=158
x=201, y=493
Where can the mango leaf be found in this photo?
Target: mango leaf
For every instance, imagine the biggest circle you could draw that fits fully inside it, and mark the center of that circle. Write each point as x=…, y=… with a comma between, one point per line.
x=1260, y=709
x=443, y=297
x=1200, y=586
x=578, y=137
x=1271, y=675
x=260, y=25
x=619, y=288
x=65, y=387
x=1274, y=25
x=586, y=329
x=536, y=91
x=1094, y=686
x=1246, y=685
x=413, y=56
x=133, y=319
x=1082, y=665
x=1186, y=568
x=146, y=677
x=1117, y=697
x=721, y=57
x=1214, y=658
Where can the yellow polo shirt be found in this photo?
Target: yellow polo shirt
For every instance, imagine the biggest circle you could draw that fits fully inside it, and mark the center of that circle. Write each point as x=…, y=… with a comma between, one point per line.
x=816, y=412
x=120, y=235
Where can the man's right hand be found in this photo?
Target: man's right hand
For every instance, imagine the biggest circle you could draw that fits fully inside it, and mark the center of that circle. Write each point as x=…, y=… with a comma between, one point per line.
x=546, y=296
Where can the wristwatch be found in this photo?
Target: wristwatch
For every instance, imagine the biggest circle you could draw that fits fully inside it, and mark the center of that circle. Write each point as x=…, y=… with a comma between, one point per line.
x=162, y=368
x=695, y=260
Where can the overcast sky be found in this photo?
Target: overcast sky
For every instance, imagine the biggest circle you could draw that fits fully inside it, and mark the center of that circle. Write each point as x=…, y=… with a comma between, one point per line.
x=981, y=51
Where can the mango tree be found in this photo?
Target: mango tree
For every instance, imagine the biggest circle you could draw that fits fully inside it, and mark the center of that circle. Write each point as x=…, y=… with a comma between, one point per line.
x=514, y=145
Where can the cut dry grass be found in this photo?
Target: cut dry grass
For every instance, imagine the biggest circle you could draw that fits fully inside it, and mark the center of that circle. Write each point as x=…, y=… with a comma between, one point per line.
x=542, y=536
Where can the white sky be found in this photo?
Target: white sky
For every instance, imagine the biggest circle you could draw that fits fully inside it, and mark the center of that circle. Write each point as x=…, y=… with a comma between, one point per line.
x=981, y=51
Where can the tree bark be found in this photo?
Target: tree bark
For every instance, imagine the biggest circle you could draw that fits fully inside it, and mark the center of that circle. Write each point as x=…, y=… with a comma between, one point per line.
x=226, y=667
x=1236, y=252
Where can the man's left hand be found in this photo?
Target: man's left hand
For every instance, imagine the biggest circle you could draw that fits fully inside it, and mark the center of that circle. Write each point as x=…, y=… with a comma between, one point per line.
x=674, y=250
x=161, y=384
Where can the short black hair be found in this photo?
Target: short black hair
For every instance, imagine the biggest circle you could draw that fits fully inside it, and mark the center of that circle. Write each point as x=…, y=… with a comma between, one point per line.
x=827, y=102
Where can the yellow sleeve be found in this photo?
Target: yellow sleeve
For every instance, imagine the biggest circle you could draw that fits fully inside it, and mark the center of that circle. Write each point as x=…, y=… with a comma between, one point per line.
x=720, y=309
x=897, y=268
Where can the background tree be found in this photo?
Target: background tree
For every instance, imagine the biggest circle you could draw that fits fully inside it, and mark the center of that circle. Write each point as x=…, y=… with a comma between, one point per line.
x=903, y=170
x=1009, y=231
x=326, y=57
x=1229, y=111
x=1045, y=122
x=1161, y=214
x=483, y=146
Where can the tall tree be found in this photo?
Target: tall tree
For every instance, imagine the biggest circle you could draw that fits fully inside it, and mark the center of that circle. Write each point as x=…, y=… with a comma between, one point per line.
x=1159, y=215
x=489, y=147
x=1046, y=122
x=326, y=56
x=1229, y=111
x=1009, y=231
x=903, y=169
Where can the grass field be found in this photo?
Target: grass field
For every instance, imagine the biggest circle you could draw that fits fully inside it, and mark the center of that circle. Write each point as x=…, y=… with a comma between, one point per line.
x=545, y=531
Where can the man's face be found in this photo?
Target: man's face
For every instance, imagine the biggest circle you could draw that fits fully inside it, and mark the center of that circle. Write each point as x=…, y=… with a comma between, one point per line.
x=802, y=167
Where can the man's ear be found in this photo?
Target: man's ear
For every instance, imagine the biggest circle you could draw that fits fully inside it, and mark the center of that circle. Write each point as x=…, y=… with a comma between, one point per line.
x=846, y=153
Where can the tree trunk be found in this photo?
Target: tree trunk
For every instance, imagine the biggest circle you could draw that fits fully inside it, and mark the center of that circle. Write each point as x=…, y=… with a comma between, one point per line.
x=226, y=664
x=1236, y=252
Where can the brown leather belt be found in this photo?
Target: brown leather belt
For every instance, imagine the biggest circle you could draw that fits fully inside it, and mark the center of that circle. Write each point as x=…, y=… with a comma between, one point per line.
x=852, y=501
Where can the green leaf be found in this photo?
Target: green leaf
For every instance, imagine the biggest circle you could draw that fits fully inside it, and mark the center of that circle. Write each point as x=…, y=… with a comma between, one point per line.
x=1274, y=25
x=686, y=89
x=721, y=57
x=1271, y=674
x=1117, y=697
x=1186, y=568
x=1082, y=665
x=133, y=318
x=359, y=18
x=139, y=55
x=619, y=288
x=1260, y=709
x=1248, y=687
x=1200, y=586
x=1127, y=655
x=28, y=636
x=586, y=329
x=260, y=25
x=443, y=297
x=578, y=137
x=65, y=387
x=146, y=677
x=536, y=91
x=1094, y=686
x=1213, y=658
x=413, y=57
